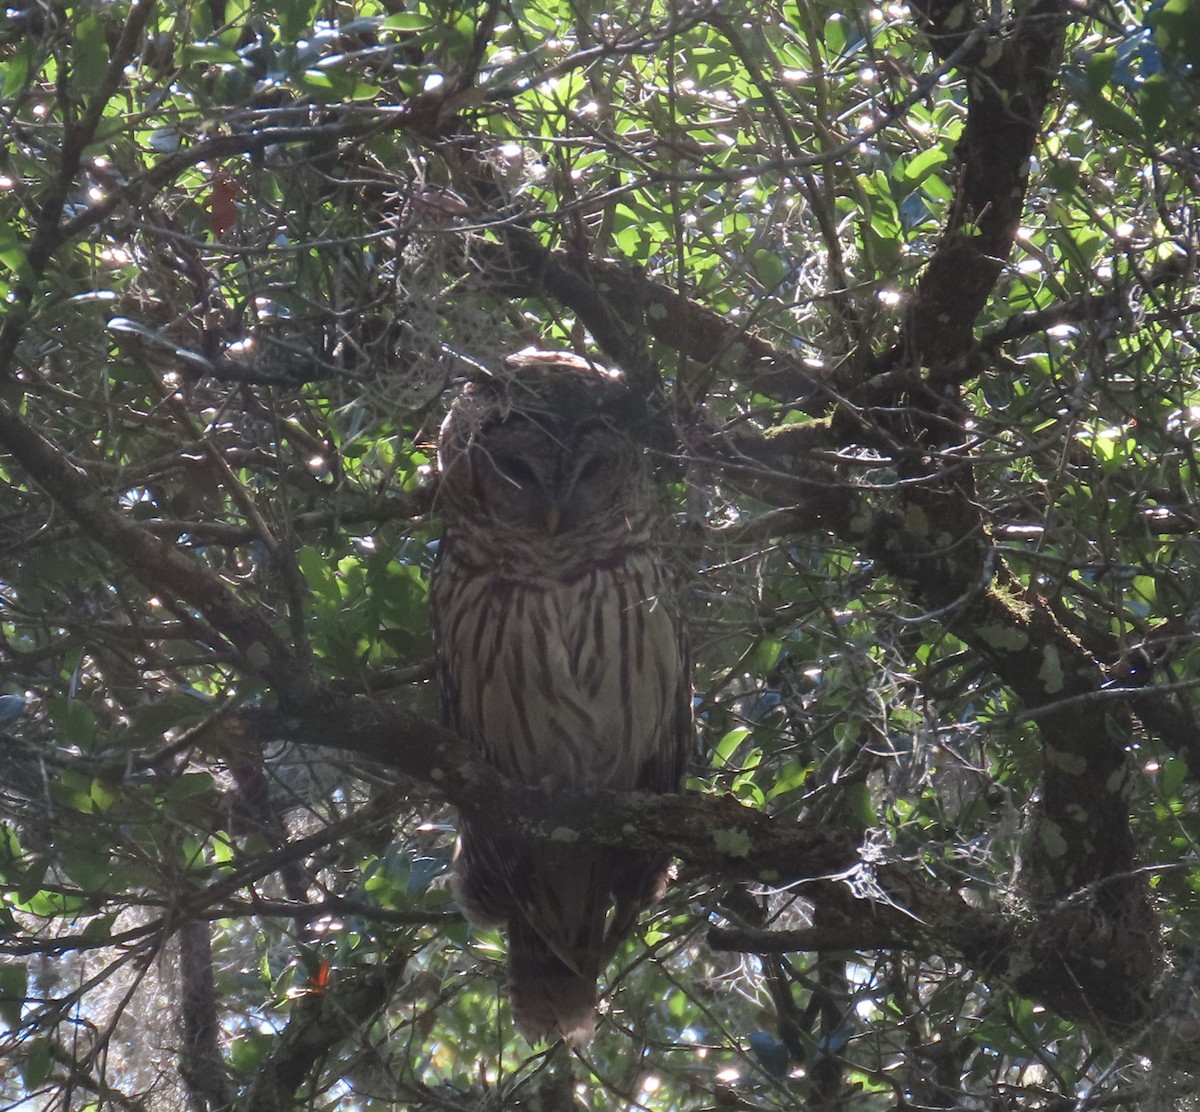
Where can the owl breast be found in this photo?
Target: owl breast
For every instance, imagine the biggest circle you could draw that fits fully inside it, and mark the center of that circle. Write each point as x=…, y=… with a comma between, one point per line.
x=564, y=682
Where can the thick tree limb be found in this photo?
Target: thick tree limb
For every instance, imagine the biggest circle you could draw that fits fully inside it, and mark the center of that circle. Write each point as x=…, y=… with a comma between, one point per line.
x=1009, y=81
x=1051, y=958
x=1012, y=629
x=602, y=292
x=945, y=924
x=200, y=1062
x=718, y=835
x=1081, y=840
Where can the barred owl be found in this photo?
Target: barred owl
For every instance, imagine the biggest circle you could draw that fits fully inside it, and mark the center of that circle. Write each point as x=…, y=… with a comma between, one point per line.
x=560, y=659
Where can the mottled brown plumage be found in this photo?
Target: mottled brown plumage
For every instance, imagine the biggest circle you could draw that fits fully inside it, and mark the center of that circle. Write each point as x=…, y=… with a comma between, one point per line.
x=560, y=657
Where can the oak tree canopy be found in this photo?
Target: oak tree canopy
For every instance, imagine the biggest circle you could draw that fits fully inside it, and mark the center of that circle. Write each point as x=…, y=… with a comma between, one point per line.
x=909, y=295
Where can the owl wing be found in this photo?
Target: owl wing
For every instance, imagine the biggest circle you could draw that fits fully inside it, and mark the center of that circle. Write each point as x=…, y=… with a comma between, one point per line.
x=664, y=769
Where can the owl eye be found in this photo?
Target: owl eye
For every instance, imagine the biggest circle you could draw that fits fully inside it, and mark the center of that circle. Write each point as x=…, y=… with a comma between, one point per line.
x=515, y=470
x=591, y=469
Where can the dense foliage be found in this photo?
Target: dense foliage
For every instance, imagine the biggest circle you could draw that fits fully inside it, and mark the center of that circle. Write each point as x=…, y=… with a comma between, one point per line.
x=911, y=291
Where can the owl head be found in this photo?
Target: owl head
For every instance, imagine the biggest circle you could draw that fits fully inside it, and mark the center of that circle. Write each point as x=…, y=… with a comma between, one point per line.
x=542, y=449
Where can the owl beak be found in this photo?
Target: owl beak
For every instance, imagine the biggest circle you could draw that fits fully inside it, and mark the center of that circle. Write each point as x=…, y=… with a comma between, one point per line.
x=553, y=520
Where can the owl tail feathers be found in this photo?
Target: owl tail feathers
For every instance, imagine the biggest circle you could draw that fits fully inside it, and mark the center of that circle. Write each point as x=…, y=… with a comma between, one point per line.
x=549, y=998
x=547, y=1009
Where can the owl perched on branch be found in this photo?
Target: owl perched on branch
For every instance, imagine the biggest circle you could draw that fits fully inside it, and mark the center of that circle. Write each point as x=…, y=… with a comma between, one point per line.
x=560, y=658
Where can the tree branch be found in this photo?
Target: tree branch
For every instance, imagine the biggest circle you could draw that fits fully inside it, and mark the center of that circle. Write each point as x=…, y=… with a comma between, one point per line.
x=320, y=1021
x=597, y=290
x=200, y=1062
x=159, y=565
x=720, y=836
x=50, y=233
x=1050, y=958
x=1009, y=81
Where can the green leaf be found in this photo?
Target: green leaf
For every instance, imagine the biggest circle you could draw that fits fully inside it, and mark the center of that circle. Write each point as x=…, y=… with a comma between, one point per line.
x=835, y=33
x=10, y=845
x=210, y=53
x=74, y=722
x=12, y=246
x=1146, y=588
x=769, y=268
x=18, y=70
x=407, y=21
x=91, y=54
x=913, y=171
x=860, y=807
x=769, y=650
x=246, y=1053
x=50, y=905
x=1176, y=26
x=100, y=928
x=191, y=787
x=727, y=746
x=38, y=1062
x=1063, y=176
x=1108, y=115
x=295, y=16
x=1171, y=775
x=1099, y=69
x=88, y=864
x=789, y=779
x=1154, y=102
x=14, y=983
x=319, y=574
